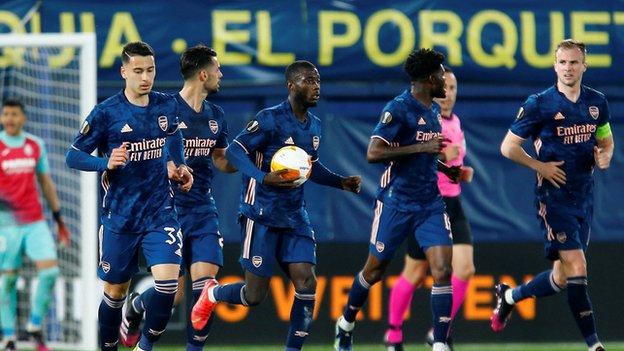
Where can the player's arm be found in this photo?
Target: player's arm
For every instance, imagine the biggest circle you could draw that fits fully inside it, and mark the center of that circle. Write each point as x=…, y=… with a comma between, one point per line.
x=92, y=133
x=255, y=136
x=175, y=149
x=380, y=150
x=603, y=151
x=221, y=162
x=323, y=176
x=48, y=188
x=511, y=147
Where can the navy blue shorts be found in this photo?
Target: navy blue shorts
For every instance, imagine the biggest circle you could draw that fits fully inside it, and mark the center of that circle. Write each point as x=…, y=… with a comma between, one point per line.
x=430, y=226
x=563, y=230
x=202, y=240
x=263, y=246
x=459, y=227
x=119, y=252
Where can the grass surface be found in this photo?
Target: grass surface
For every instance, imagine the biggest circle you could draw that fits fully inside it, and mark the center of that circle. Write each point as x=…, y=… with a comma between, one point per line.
x=458, y=347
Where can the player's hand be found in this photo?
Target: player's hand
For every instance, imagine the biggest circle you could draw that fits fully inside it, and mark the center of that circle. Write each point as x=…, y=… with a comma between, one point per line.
x=275, y=179
x=119, y=157
x=451, y=152
x=452, y=172
x=183, y=175
x=352, y=184
x=64, y=235
x=433, y=146
x=552, y=173
x=601, y=158
x=466, y=174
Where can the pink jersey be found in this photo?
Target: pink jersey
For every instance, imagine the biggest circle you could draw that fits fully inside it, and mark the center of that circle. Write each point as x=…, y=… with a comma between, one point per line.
x=451, y=129
x=18, y=180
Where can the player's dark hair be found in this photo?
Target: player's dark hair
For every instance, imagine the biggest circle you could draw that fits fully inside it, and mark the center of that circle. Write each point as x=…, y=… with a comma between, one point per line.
x=195, y=59
x=294, y=68
x=13, y=103
x=421, y=63
x=572, y=44
x=136, y=48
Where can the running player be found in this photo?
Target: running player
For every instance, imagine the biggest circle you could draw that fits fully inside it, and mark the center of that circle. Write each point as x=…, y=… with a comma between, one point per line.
x=569, y=125
x=408, y=138
x=275, y=227
x=136, y=130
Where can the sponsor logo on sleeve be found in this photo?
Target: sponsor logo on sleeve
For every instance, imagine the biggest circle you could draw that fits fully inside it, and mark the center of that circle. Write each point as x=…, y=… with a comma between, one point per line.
x=84, y=128
x=252, y=126
x=386, y=117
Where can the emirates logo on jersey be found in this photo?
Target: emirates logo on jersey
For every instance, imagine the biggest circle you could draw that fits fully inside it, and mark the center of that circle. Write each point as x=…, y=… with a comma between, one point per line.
x=163, y=123
x=214, y=126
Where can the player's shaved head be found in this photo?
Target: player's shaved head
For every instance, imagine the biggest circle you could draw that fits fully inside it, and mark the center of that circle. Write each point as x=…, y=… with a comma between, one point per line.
x=420, y=64
x=137, y=48
x=295, y=68
x=195, y=59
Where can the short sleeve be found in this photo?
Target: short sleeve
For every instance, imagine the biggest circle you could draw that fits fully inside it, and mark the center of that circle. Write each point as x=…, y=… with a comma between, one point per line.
x=43, y=166
x=528, y=121
x=388, y=126
x=257, y=133
x=92, y=131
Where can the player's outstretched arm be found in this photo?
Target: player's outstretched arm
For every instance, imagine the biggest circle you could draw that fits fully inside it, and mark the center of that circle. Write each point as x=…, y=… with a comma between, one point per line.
x=511, y=147
x=236, y=155
x=82, y=161
x=323, y=176
x=222, y=163
x=48, y=188
x=379, y=150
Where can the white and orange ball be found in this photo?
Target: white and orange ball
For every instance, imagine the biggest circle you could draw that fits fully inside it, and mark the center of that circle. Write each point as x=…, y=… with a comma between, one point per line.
x=295, y=160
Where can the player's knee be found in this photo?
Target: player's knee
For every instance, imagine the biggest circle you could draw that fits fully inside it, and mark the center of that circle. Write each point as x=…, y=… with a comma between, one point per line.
x=116, y=291
x=464, y=271
x=373, y=276
x=441, y=273
x=305, y=284
x=48, y=276
x=255, y=296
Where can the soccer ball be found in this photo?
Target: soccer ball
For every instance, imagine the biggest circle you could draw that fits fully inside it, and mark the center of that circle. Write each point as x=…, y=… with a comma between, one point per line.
x=295, y=160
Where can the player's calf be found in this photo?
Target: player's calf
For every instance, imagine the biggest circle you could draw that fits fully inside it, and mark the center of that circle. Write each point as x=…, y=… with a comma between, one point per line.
x=158, y=304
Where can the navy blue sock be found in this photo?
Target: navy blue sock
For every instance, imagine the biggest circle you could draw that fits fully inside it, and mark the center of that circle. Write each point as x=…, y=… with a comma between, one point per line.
x=300, y=320
x=231, y=293
x=195, y=340
x=109, y=321
x=441, y=303
x=138, y=303
x=158, y=303
x=581, y=308
x=357, y=298
x=541, y=285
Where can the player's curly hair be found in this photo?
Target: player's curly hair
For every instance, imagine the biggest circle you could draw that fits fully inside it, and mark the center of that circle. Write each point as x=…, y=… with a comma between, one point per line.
x=136, y=48
x=294, y=68
x=194, y=59
x=422, y=63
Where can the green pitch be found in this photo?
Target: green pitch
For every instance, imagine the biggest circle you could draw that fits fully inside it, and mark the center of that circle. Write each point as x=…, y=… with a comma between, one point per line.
x=459, y=347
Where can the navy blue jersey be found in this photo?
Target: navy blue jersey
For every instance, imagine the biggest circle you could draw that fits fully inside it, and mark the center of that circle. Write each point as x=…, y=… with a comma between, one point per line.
x=564, y=131
x=272, y=129
x=202, y=132
x=410, y=183
x=137, y=196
